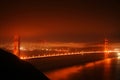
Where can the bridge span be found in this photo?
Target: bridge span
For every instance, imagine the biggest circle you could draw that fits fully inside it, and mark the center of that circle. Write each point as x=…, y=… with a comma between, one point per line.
x=67, y=54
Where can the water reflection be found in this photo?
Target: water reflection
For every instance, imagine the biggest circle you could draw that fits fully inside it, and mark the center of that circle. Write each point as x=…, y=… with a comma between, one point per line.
x=99, y=70
x=117, y=69
x=107, y=67
x=63, y=74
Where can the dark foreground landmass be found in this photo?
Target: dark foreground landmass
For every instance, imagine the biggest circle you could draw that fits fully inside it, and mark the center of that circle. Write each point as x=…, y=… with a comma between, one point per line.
x=12, y=68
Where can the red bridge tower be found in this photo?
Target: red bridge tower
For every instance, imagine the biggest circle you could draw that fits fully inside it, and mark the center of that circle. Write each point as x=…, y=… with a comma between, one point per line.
x=16, y=50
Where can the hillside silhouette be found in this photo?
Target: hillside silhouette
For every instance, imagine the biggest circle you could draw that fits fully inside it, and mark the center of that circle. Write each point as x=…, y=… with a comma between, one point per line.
x=12, y=68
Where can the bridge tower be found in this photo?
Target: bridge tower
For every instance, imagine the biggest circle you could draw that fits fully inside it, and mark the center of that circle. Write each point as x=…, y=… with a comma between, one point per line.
x=16, y=50
x=106, y=49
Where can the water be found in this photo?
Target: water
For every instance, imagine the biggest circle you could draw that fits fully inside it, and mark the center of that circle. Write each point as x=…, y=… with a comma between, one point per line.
x=108, y=69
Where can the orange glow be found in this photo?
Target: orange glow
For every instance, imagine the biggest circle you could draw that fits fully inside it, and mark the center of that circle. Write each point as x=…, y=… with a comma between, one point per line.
x=106, y=46
x=107, y=66
x=16, y=45
x=89, y=65
x=63, y=74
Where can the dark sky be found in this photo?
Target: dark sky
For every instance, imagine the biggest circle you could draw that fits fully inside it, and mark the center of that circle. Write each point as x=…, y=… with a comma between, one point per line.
x=61, y=20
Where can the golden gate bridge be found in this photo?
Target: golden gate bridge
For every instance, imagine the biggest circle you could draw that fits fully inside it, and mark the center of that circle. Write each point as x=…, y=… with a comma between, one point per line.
x=16, y=50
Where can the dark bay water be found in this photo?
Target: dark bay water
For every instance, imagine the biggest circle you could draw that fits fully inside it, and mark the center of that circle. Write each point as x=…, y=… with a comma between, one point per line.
x=107, y=69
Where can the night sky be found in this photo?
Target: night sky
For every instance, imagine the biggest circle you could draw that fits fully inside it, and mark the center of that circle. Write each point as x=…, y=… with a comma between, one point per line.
x=61, y=20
